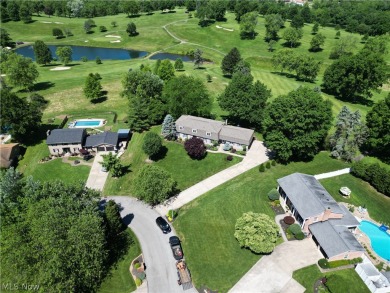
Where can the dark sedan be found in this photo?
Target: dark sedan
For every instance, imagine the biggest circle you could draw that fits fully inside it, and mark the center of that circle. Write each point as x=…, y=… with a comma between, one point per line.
x=164, y=226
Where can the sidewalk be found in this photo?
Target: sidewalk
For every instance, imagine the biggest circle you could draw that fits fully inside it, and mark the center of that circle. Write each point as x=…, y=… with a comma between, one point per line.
x=332, y=174
x=255, y=156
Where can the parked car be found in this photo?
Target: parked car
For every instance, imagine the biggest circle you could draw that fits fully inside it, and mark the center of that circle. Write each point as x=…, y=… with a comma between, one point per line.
x=177, y=251
x=164, y=226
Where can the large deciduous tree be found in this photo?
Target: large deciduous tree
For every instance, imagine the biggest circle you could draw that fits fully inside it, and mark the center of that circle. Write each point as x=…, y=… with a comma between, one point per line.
x=355, y=76
x=230, y=61
x=42, y=53
x=57, y=32
x=151, y=144
x=186, y=95
x=378, y=123
x=20, y=71
x=179, y=66
x=248, y=24
x=166, y=70
x=64, y=54
x=153, y=184
x=92, y=87
x=273, y=24
x=292, y=35
x=296, y=125
x=350, y=134
x=316, y=42
x=168, y=129
x=244, y=100
x=5, y=39
x=131, y=29
x=257, y=232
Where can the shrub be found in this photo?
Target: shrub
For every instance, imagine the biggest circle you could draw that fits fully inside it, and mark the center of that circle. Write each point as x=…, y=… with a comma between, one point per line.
x=277, y=202
x=262, y=168
x=137, y=265
x=377, y=176
x=300, y=236
x=295, y=229
x=209, y=78
x=233, y=150
x=84, y=59
x=244, y=148
x=215, y=143
x=226, y=147
x=138, y=282
x=289, y=220
x=102, y=28
x=98, y=60
x=273, y=163
x=172, y=214
x=273, y=194
x=141, y=276
x=323, y=263
x=229, y=158
x=268, y=165
x=195, y=148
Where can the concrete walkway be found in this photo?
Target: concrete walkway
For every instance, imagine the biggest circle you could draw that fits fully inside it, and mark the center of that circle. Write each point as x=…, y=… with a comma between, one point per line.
x=97, y=178
x=278, y=218
x=273, y=273
x=255, y=156
x=332, y=174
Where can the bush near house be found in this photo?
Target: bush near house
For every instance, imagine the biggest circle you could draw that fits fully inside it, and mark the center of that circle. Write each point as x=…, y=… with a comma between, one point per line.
x=325, y=264
x=295, y=229
x=377, y=176
x=273, y=194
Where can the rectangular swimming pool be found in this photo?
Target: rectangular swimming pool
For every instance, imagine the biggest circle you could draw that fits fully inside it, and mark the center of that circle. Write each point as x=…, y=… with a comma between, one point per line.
x=88, y=123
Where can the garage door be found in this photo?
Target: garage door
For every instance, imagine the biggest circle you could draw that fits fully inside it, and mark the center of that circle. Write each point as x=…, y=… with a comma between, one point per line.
x=101, y=149
x=110, y=149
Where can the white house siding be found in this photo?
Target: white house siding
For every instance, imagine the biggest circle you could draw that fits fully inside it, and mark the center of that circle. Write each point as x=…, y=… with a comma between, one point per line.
x=368, y=280
x=236, y=146
x=59, y=149
x=187, y=136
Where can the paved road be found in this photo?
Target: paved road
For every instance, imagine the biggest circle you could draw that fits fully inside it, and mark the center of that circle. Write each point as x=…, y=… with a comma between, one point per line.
x=256, y=155
x=273, y=273
x=160, y=265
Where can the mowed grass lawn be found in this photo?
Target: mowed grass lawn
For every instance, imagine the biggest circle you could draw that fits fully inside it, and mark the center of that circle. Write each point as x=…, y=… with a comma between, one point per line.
x=206, y=225
x=363, y=194
x=183, y=169
x=119, y=279
x=344, y=281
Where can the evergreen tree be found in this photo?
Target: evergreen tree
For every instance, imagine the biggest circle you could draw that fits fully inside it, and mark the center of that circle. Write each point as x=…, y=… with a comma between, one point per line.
x=156, y=67
x=168, y=129
x=230, y=61
x=42, y=53
x=138, y=111
x=315, y=28
x=113, y=221
x=92, y=88
x=350, y=134
x=5, y=39
x=198, y=59
x=179, y=66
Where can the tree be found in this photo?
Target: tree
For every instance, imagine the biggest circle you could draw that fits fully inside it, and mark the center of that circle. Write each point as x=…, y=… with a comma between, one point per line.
x=271, y=45
x=42, y=53
x=292, y=35
x=25, y=12
x=316, y=42
x=156, y=66
x=64, y=54
x=244, y=100
x=230, y=61
x=166, y=70
x=296, y=125
x=378, y=124
x=357, y=75
x=273, y=23
x=345, y=46
x=186, y=95
x=114, y=23
x=13, y=10
x=337, y=35
x=75, y=7
x=195, y=148
x=285, y=59
x=168, y=129
x=179, y=66
x=131, y=29
x=306, y=68
x=92, y=87
x=5, y=39
x=153, y=184
x=257, y=232
x=113, y=221
x=198, y=59
x=247, y=25
x=315, y=28
x=21, y=71
x=297, y=22
x=58, y=33
x=87, y=26
x=152, y=144
x=217, y=9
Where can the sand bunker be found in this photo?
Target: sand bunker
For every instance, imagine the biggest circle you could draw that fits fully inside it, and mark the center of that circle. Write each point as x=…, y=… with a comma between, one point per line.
x=116, y=41
x=3, y=75
x=226, y=29
x=46, y=21
x=59, y=68
x=112, y=36
x=57, y=22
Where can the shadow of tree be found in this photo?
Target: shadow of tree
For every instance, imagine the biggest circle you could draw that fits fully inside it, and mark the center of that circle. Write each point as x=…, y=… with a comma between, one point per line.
x=161, y=154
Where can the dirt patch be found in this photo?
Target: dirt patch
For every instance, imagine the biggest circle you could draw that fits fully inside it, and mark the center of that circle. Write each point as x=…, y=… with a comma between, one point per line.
x=59, y=68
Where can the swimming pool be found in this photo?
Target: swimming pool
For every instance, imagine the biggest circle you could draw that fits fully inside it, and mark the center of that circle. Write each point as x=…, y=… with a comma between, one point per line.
x=88, y=123
x=380, y=240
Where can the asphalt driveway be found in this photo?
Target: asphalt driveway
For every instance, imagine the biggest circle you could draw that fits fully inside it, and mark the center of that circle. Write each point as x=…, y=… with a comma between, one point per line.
x=160, y=270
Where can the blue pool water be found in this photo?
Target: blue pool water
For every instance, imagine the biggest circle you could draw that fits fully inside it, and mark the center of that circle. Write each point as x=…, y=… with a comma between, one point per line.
x=88, y=123
x=380, y=240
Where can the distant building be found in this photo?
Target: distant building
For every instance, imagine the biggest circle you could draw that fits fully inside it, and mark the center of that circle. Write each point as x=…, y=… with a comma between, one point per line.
x=329, y=224
x=8, y=154
x=211, y=130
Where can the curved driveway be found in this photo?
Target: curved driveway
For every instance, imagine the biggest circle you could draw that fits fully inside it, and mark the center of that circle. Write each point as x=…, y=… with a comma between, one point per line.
x=160, y=265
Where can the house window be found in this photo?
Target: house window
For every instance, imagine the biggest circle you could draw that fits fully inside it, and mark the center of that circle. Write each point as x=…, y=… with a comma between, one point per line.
x=194, y=131
x=208, y=133
x=181, y=127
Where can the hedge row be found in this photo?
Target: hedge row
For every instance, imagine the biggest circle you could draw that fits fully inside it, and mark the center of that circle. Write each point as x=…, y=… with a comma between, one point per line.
x=325, y=264
x=377, y=176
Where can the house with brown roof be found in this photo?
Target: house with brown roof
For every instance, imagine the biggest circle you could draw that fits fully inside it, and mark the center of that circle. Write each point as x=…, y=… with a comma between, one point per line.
x=8, y=154
x=330, y=224
x=209, y=130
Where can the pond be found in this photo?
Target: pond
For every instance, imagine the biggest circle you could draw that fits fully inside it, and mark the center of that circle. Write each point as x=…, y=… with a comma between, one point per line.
x=103, y=53
x=90, y=52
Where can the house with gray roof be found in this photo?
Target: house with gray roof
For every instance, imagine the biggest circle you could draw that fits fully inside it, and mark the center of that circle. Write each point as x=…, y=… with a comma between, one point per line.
x=211, y=130
x=330, y=225
x=106, y=141
x=69, y=140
